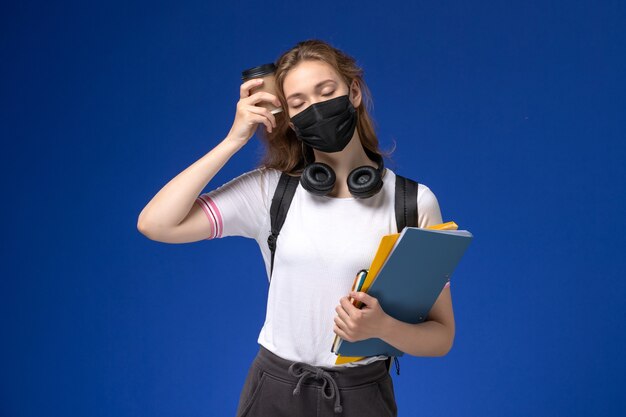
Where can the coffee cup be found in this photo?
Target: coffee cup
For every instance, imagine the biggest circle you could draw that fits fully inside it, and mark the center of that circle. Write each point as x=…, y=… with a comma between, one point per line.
x=266, y=72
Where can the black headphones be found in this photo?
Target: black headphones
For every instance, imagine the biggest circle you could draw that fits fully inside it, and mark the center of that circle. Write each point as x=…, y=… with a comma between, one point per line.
x=363, y=182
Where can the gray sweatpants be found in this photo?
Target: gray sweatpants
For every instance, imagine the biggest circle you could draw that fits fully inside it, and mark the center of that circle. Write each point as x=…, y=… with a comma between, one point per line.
x=276, y=387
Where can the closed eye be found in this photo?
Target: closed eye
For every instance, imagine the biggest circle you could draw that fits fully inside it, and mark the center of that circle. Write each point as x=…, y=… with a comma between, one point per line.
x=323, y=95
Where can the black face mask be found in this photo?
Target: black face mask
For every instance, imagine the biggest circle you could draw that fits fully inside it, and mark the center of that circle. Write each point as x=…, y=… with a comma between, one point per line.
x=327, y=126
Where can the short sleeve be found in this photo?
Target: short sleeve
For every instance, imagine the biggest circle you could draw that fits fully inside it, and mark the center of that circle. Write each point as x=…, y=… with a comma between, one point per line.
x=428, y=209
x=240, y=207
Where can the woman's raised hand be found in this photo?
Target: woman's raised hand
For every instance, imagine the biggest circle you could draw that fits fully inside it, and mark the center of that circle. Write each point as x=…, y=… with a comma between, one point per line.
x=248, y=115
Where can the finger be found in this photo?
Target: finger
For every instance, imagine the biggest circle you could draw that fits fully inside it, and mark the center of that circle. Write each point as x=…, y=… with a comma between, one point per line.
x=341, y=324
x=244, y=89
x=341, y=312
x=260, y=116
x=364, y=297
x=341, y=333
x=263, y=96
x=349, y=308
x=265, y=112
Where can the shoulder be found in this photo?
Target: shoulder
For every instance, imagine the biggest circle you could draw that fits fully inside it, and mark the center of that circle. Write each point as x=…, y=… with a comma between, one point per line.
x=424, y=193
x=428, y=209
x=270, y=176
x=425, y=196
x=270, y=172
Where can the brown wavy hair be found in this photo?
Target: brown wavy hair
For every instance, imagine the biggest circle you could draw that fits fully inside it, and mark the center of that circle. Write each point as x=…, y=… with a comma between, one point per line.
x=284, y=151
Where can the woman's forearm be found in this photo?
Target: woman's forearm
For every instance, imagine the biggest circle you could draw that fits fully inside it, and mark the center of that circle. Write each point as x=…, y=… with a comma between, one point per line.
x=428, y=338
x=172, y=203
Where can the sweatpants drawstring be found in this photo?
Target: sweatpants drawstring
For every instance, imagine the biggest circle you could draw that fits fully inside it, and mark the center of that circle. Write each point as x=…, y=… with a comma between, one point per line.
x=304, y=371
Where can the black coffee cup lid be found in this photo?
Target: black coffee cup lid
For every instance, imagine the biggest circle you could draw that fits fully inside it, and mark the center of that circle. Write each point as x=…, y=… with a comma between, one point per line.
x=257, y=71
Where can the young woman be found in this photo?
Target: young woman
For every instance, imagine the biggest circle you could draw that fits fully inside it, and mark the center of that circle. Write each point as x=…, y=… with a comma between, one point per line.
x=332, y=230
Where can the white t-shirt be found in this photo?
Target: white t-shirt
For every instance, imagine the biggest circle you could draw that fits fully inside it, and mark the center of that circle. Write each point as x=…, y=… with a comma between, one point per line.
x=323, y=243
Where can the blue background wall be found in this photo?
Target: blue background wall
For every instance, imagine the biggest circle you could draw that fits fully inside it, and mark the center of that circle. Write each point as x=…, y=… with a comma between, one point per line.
x=511, y=112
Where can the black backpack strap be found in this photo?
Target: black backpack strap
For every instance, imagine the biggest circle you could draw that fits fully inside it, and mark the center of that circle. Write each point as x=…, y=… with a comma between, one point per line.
x=281, y=201
x=406, y=203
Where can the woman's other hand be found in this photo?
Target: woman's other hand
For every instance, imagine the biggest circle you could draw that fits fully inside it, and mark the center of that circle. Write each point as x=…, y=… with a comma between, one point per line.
x=353, y=324
x=248, y=116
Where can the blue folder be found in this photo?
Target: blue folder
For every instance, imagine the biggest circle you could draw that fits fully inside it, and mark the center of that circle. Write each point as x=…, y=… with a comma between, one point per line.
x=411, y=280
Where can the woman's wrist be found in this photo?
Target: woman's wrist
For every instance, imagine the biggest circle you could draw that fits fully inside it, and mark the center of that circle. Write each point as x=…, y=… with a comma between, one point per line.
x=232, y=144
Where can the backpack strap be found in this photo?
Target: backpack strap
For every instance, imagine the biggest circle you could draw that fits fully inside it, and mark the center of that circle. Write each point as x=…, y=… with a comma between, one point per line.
x=281, y=201
x=406, y=203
